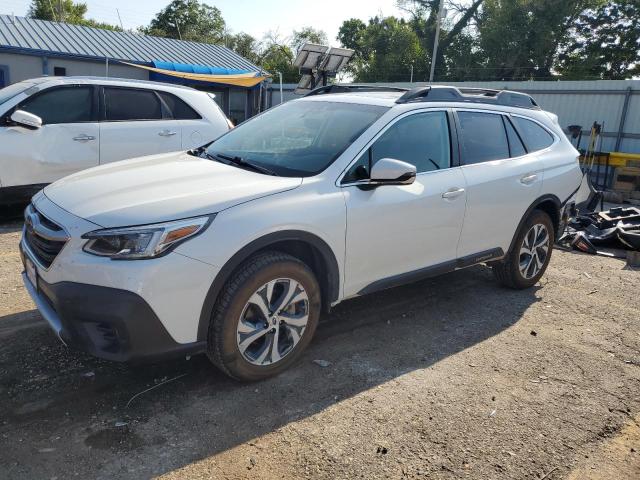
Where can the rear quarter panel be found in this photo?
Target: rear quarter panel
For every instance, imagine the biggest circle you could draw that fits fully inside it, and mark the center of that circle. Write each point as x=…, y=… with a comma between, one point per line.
x=562, y=174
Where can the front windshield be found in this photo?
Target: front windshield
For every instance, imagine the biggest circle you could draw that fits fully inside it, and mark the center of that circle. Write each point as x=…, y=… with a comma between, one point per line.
x=11, y=91
x=298, y=138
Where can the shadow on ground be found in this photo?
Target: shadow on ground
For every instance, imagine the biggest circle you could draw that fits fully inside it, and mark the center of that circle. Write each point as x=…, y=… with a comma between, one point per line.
x=65, y=400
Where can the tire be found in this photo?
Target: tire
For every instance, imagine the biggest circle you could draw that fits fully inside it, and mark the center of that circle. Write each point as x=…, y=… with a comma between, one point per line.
x=521, y=269
x=248, y=318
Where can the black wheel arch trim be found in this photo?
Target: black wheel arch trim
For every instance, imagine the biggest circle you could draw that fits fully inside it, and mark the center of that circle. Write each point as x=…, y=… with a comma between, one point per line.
x=329, y=259
x=537, y=202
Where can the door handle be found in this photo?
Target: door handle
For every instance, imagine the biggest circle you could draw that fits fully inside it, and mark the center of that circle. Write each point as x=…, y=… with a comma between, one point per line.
x=167, y=133
x=453, y=193
x=529, y=179
x=84, y=138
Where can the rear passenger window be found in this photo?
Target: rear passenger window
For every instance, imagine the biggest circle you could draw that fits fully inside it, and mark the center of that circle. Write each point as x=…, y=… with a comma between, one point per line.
x=179, y=109
x=483, y=137
x=131, y=104
x=515, y=144
x=535, y=137
x=61, y=105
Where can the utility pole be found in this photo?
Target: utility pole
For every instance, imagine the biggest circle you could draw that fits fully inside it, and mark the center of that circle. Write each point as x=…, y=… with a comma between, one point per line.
x=178, y=27
x=434, y=56
x=119, y=18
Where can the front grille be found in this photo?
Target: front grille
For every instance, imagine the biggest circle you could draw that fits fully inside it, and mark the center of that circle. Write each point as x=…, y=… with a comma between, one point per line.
x=44, y=238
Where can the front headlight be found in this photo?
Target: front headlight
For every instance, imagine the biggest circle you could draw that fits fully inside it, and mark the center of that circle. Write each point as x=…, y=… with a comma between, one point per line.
x=146, y=241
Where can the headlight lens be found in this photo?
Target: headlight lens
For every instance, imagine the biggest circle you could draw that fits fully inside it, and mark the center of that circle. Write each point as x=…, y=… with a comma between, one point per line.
x=146, y=241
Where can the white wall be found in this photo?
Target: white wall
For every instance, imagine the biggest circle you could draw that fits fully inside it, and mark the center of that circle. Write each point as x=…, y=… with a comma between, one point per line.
x=22, y=67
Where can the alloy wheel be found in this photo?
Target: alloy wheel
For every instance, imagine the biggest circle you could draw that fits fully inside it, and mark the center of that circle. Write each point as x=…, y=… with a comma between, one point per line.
x=273, y=321
x=534, y=251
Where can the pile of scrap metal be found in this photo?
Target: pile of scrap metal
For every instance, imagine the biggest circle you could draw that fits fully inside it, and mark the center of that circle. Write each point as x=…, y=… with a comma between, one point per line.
x=607, y=233
x=614, y=232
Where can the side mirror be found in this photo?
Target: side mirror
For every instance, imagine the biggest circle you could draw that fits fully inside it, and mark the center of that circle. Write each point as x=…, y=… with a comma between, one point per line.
x=26, y=119
x=388, y=171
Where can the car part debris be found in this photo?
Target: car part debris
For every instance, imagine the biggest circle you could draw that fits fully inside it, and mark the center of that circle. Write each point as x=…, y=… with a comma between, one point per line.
x=617, y=229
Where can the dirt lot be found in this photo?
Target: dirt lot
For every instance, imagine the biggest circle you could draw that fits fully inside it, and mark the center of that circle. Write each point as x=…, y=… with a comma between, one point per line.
x=448, y=378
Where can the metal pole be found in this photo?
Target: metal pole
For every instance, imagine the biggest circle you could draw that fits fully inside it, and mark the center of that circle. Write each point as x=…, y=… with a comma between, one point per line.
x=106, y=66
x=121, y=25
x=178, y=28
x=434, y=56
x=623, y=118
x=411, y=81
x=281, y=98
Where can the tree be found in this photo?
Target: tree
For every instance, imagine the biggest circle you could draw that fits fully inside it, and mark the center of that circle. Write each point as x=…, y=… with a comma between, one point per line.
x=520, y=38
x=377, y=44
x=307, y=35
x=65, y=11
x=424, y=18
x=385, y=50
x=188, y=20
x=277, y=56
x=245, y=45
x=604, y=43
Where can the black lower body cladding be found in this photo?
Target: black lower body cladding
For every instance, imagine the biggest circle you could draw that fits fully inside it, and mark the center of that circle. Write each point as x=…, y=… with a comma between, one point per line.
x=111, y=323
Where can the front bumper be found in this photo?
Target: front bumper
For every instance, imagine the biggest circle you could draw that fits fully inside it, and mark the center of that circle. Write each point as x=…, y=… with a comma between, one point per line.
x=172, y=288
x=106, y=322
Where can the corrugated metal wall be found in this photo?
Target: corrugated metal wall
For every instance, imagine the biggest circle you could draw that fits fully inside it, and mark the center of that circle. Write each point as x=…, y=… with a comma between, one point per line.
x=575, y=103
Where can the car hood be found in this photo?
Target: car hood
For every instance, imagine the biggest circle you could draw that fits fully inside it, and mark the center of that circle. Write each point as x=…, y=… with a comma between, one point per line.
x=160, y=188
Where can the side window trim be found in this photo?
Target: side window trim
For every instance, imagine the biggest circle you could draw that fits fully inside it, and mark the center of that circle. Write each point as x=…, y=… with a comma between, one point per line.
x=459, y=131
x=94, y=116
x=506, y=118
x=164, y=110
x=544, y=127
x=381, y=132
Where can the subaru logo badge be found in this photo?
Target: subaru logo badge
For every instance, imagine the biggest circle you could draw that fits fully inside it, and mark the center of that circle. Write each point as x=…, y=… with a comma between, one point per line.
x=31, y=220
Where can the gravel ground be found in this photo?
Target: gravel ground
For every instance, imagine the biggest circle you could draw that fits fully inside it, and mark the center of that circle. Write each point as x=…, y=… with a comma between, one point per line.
x=448, y=378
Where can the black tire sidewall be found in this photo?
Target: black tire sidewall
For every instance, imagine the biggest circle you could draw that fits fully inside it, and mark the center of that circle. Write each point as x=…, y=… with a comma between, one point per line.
x=229, y=354
x=537, y=217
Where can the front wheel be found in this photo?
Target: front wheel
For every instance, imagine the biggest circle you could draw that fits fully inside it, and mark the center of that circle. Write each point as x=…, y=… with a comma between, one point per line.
x=265, y=317
x=527, y=261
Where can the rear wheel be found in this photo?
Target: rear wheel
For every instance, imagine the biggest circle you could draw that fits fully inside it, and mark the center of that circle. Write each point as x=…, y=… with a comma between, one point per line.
x=265, y=317
x=530, y=256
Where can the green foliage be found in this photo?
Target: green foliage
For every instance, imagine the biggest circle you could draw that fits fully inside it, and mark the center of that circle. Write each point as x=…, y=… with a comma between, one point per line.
x=604, y=43
x=277, y=56
x=519, y=39
x=386, y=49
x=65, y=11
x=188, y=20
x=245, y=45
x=307, y=34
x=499, y=40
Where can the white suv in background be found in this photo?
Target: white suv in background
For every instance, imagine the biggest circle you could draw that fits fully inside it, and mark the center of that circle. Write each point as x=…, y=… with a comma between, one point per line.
x=236, y=248
x=51, y=127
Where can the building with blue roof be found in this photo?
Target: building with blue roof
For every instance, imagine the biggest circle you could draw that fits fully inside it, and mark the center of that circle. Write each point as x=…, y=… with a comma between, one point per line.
x=32, y=48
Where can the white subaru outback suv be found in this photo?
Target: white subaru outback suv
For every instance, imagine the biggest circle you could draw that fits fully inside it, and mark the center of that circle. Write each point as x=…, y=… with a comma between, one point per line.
x=236, y=248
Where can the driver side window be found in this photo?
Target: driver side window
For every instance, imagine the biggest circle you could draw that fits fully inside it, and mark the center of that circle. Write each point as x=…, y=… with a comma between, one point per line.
x=421, y=139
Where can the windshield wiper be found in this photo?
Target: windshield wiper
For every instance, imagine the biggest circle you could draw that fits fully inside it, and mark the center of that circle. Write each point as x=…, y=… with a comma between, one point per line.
x=241, y=162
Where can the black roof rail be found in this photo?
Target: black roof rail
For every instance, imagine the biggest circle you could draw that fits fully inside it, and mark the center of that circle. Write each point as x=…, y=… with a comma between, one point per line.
x=346, y=88
x=443, y=93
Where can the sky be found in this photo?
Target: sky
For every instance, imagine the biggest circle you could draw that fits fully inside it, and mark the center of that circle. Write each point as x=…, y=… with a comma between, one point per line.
x=251, y=16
